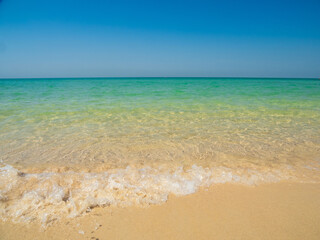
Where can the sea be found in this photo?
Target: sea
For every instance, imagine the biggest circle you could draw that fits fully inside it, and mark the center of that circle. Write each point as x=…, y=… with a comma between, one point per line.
x=69, y=145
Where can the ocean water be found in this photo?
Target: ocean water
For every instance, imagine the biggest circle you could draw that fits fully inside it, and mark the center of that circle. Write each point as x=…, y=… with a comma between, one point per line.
x=68, y=145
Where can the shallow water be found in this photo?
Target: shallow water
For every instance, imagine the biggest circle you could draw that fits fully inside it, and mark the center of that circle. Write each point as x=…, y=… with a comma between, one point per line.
x=67, y=145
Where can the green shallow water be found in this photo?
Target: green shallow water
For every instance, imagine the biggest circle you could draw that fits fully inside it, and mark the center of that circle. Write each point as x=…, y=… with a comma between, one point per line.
x=99, y=124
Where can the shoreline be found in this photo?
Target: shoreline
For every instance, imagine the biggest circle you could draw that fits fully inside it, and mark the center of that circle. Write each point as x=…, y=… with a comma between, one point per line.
x=223, y=211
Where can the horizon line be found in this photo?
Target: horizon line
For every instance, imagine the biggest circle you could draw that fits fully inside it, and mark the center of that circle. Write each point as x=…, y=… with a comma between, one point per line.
x=110, y=77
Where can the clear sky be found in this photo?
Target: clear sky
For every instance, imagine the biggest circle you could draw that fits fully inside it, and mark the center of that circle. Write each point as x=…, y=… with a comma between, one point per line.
x=95, y=38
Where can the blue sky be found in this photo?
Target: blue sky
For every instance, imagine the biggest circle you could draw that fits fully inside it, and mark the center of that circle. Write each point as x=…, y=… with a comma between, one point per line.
x=159, y=38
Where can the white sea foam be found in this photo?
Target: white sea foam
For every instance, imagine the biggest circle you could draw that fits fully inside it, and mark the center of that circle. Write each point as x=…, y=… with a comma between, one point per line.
x=46, y=197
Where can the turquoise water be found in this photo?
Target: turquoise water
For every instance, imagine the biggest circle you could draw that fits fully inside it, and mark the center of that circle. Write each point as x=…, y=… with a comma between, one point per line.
x=258, y=119
x=160, y=135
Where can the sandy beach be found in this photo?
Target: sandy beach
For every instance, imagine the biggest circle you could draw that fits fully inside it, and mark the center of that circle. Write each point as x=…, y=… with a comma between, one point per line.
x=226, y=211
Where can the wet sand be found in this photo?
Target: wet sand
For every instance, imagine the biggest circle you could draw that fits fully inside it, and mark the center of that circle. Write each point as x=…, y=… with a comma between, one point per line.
x=271, y=211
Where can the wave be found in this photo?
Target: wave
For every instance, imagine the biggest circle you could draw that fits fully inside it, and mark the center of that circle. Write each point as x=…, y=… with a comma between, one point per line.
x=49, y=196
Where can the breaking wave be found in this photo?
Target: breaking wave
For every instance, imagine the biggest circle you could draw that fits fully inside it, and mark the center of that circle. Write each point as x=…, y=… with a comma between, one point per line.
x=48, y=196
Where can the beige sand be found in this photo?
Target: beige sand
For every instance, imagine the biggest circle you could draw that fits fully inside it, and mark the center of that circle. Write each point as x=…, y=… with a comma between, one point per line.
x=274, y=211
